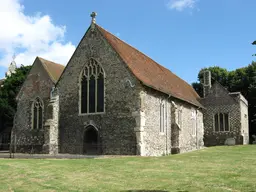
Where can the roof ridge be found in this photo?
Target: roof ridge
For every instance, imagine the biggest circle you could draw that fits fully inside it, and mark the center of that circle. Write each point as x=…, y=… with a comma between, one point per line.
x=49, y=61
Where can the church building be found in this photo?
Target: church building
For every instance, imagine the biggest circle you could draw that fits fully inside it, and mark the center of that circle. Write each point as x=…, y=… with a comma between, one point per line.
x=109, y=99
x=225, y=114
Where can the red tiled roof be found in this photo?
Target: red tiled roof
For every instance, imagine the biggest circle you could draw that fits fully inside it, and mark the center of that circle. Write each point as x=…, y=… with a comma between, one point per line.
x=54, y=69
x=151, y=73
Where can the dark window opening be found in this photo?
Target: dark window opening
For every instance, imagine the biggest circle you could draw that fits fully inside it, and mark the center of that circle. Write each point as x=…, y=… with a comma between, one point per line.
x=221, y=122
x=37, y=114
x=84, y=95
x=40, y=118
x=35, y=118
x=100, y=94
x=91, y=144
x=92, y=95
x=92, y=88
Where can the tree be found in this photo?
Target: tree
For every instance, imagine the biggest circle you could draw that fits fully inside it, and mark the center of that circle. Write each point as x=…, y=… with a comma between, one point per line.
x=252, y=97
x=8, y=92
x=199, y=88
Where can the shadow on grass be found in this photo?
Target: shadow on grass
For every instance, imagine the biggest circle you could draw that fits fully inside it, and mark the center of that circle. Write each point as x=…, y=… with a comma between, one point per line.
x=143, y=190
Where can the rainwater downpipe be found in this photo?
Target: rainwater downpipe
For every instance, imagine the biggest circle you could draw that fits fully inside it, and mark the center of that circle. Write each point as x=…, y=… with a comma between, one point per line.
x=167, y=110
x=196, y=129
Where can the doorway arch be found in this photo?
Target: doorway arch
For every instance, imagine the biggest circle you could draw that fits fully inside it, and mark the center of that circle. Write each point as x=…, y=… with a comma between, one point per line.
x=91, y=141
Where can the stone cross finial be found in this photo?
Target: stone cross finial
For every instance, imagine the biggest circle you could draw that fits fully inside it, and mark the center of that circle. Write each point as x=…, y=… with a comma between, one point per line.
x=93, y=15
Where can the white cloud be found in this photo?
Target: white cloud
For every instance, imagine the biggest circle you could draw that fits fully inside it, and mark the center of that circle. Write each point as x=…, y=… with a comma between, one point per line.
x=29, y=36
x=180, y=5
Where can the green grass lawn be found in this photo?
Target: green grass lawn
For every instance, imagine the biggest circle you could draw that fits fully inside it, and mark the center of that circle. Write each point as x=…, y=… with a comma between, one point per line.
x=211, y=169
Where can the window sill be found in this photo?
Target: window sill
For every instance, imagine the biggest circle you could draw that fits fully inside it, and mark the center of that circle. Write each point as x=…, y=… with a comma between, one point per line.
x=222, y=131
x=37, y=130
x=91, y=114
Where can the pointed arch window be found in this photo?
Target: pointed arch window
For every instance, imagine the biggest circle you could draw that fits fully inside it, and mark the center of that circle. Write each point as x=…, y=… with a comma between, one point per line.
x=37, y=114
x=92, y=88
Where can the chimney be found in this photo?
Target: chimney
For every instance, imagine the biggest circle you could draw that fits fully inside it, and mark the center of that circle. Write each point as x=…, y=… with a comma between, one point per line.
x=207, y=82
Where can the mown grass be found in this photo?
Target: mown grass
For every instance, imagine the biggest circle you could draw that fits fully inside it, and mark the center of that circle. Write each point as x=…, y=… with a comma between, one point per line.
x=210, y=169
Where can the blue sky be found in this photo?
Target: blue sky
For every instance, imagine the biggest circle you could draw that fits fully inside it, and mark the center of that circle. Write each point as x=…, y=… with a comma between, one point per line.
x=182, y=35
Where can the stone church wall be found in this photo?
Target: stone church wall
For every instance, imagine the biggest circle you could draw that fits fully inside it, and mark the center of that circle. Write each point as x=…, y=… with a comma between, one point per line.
x=244, y=120
x=37, y=84
x=159, y=143
x=213, y=138
x=156, y=142
x=189, y=139
x=116, y=126
x=219, y=101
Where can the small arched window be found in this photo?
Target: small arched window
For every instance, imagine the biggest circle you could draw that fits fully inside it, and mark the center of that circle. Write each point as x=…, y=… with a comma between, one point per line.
x=37, y=114
x=92, y=88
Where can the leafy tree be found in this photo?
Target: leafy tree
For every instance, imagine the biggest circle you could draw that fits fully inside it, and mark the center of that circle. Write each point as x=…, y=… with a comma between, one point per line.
x=239, y=81
x=8, y=92
x=252, y=97
x=199, y=88
x=252, y=94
